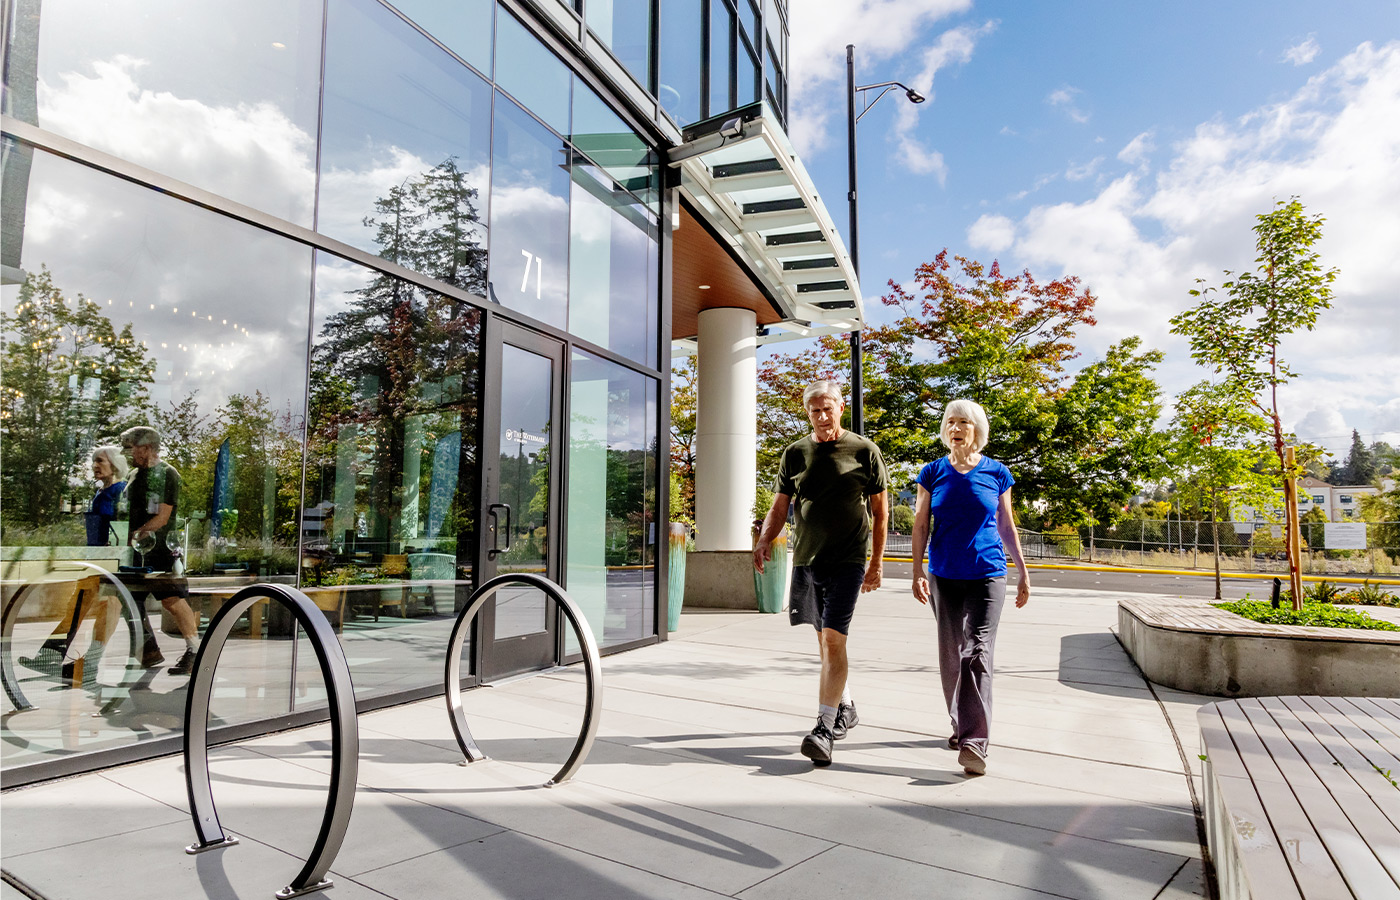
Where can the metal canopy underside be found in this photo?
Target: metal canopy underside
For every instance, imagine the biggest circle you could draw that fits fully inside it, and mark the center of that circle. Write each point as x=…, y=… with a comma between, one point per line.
x=742, y=176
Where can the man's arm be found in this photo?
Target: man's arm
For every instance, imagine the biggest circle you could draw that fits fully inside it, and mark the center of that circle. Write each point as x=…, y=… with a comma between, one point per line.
x=157, y=521
x=880, y=513
x=1006, y=527
x=772, y=526
x=921, y=508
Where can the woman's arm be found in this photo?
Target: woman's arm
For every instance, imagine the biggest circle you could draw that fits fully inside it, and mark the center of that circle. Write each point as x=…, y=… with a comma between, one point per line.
x=1006, y=527
x=921, y=508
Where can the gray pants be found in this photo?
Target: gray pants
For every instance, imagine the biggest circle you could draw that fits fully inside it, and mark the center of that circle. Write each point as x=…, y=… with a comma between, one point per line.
x=968, y=612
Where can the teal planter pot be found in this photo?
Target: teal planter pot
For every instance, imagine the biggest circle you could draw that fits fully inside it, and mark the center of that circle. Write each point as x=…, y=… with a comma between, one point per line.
x=772, y=584
x=675, y=575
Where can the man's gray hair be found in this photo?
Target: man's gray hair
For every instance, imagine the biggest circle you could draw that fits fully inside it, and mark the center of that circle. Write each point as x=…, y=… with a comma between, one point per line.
x=823, y=388
x=141, y=436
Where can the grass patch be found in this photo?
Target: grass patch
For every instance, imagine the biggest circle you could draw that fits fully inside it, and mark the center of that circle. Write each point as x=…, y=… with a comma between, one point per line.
x=1320, y=614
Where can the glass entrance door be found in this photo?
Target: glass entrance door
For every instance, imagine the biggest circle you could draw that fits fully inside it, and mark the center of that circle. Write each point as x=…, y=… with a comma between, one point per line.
x=520, y=503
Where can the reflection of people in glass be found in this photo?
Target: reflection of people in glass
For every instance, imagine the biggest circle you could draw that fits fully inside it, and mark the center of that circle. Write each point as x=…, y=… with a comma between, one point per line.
x=109, y=467
x=154, y=497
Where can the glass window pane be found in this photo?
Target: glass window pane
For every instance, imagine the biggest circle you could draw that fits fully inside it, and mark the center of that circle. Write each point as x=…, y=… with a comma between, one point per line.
x=750, y=78
x=143, y=311
x=680, y=60
x=523, y=445
x=463, y=26
x=721, y=59
x=529, y=217
x=532, y=73
x=389, y=520
x=611, y=567
x=222, y=96
x=625, y=27
x=607, y=140
x=404, y=158
x=613, y=248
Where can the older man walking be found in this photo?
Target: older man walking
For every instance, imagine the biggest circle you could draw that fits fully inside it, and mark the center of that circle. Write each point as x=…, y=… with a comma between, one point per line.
x=839, y=481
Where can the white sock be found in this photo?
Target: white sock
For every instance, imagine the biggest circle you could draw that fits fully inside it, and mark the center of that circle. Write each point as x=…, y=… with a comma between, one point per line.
x=846, y=694
x=192, y=644
x=828, y=715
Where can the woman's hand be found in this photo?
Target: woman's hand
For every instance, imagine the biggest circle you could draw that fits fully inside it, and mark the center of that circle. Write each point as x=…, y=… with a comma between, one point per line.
x=1023, y=591
x=921, y=592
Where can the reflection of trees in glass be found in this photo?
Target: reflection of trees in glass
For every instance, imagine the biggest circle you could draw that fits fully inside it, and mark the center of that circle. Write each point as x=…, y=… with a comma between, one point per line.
x=71, y=381
x=400, y=366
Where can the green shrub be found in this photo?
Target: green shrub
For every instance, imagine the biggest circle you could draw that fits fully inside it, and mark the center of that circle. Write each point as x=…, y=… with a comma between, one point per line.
x=1370, y=595
x=1319, y=614
x=1322, y=592
x=902, y=519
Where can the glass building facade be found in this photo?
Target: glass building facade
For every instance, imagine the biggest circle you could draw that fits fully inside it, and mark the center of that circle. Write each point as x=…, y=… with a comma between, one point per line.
x=358, y=297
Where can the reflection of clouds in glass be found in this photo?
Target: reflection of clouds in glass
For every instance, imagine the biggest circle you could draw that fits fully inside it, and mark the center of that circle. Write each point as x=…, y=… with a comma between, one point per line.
x=348, y=195
x=337, y=283
x=196, y=287
x=512, y=203
x=251, y=153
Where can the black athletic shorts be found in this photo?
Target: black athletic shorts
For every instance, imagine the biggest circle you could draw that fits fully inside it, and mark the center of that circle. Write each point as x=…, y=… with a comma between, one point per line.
x=825, y=596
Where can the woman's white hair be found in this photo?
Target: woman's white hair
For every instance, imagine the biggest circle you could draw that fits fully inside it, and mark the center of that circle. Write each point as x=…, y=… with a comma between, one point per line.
x=823, y=389
x=115, y=458
x=973, y=411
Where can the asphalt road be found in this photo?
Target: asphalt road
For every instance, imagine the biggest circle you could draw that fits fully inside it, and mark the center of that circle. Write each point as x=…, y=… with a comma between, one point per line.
x=1129, y=582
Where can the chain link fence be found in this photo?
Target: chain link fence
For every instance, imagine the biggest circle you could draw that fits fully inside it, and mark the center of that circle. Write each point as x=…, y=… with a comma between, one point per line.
x=1183, y=543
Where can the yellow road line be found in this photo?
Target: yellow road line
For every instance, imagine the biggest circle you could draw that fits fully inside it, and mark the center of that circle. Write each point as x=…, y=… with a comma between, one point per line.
x=1130, y=570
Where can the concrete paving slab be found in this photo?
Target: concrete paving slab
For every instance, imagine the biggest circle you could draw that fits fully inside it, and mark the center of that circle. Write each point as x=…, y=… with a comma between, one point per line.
x=695, y=787
x=67, y=813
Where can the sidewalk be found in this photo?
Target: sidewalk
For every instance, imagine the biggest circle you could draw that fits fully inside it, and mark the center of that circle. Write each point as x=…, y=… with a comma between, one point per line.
x=694, y=788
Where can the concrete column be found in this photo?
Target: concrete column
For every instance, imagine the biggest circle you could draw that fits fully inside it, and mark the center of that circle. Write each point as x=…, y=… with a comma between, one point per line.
x=726, y=430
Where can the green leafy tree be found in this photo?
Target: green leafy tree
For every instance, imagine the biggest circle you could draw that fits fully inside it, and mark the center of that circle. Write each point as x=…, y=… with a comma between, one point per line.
x=684, y=386
x=782, y=378
x=71, y=382
x=1214, y=449
x=1237, y=330
x=1104, y=442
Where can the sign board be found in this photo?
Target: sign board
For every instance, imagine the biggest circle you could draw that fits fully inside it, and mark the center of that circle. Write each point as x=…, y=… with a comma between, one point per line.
x=1244, y=527
x=1344, y=535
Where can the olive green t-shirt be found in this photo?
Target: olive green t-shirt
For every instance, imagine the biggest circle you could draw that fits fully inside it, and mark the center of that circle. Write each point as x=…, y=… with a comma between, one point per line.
x=829, y=482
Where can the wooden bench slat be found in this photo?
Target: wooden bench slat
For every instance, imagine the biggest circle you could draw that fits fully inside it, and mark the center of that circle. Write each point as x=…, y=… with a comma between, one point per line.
x=1381, y=840
x=1354, y=764
x=1329, y=858
x=1216, y=744
x=1266, y=867
x=1382, y=736
x=1256, y=758
x=1379, y=712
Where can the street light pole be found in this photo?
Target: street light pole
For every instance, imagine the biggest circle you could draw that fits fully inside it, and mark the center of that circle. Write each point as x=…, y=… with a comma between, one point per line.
x=857, y=353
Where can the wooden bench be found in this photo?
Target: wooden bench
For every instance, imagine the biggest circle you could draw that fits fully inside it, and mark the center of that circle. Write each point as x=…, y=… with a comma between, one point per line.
x=1301, y=797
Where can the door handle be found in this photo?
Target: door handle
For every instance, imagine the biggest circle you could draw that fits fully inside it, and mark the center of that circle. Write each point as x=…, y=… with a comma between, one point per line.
x=494, y=512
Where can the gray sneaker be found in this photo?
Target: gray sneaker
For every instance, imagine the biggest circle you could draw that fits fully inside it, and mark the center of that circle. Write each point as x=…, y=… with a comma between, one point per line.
x=817, y=745
x=846, y=719
x=973, y=763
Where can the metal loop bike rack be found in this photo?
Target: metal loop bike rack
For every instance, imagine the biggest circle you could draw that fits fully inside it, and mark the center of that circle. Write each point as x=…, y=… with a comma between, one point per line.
x=134, y=624
x=592, y=666
x=345, y=736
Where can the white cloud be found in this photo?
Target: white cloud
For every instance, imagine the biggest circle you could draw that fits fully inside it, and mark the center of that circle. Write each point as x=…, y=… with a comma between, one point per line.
x=993, y=233
x=880, y=30
x=1137, y=151
x=953, y=47
x=1079, y=173
x=1144, y=238
x=1066, y=98
x=1304, y=53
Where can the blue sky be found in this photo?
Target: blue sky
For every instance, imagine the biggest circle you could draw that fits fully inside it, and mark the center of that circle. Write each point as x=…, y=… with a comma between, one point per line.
x=1131, y=144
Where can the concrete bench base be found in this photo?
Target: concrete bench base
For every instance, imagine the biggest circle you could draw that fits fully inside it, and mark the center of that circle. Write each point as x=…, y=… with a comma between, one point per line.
x=1192, y=646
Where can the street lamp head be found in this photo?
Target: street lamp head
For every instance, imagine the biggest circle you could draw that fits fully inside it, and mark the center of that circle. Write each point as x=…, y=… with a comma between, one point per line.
x=914, y=96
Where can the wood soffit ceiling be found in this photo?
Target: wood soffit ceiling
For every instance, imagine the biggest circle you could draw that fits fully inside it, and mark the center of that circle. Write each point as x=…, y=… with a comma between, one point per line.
x=698, y=258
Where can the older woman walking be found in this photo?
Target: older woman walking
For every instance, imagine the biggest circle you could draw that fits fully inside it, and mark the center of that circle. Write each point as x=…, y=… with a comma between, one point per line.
x=963, y=517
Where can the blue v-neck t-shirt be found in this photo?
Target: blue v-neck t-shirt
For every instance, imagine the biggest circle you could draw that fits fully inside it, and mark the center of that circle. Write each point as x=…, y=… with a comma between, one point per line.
x=963, y=540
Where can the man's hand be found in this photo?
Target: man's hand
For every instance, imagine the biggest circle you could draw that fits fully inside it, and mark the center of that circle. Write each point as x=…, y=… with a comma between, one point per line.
x=874, y=573
x=762, y=552
x=1023, y=591
x=921, y=592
